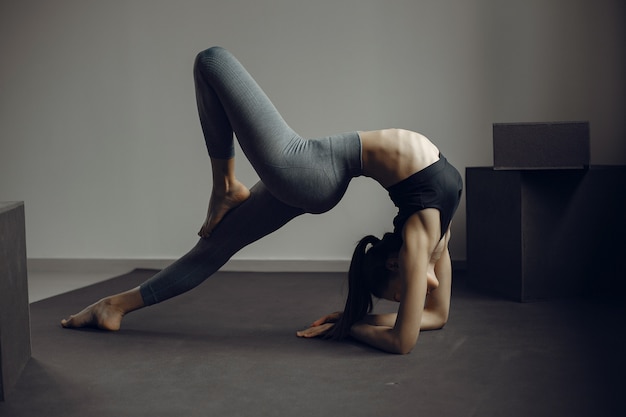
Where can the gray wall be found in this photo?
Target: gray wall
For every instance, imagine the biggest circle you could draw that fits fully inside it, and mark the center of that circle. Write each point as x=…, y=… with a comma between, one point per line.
x=99, y=133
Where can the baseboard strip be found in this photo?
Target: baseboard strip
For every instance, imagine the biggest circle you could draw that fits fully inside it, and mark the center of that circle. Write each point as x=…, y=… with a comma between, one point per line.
x=239, y=265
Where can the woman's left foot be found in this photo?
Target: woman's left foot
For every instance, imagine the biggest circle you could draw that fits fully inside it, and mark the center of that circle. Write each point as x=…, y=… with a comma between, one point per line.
x=220, y=204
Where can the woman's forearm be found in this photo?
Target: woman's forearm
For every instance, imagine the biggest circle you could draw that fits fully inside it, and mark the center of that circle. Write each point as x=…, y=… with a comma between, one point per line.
x=388, y=319
x=431, y=320
x=381, y=337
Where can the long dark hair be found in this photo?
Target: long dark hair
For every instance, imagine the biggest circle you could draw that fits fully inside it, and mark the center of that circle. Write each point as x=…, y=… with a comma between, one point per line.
x=368, y=275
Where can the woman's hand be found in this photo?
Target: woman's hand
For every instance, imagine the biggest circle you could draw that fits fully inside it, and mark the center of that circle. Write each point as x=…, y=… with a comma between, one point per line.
x=320, y=326
x=315, y=331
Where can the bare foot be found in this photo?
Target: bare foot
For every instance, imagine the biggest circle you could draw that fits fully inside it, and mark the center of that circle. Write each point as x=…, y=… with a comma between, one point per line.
x=102, y=315
x=221, y=203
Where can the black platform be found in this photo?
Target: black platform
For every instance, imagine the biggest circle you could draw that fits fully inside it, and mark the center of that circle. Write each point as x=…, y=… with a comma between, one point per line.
x=14, y=314
x=537, y=234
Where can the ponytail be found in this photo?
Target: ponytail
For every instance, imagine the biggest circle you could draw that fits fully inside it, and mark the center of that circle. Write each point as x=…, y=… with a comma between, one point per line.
x=368, y=275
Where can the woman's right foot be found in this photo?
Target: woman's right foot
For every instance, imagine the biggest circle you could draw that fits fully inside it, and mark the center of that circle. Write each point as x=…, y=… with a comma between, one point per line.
x=221, y=203
x=101, y=315
x=107, y=313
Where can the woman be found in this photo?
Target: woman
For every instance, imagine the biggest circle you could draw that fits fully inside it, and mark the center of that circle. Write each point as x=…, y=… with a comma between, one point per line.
x=310, y=176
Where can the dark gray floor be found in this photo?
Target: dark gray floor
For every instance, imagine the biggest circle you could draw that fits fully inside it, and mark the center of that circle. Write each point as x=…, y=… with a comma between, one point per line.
x=229, y=349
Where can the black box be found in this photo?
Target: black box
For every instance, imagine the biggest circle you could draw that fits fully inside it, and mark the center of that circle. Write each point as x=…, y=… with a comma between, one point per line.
x=558, y=145
x=535, y=235
x=15, y=347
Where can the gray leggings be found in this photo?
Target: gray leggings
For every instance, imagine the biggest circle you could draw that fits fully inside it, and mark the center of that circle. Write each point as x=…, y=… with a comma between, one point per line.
x=297, y=175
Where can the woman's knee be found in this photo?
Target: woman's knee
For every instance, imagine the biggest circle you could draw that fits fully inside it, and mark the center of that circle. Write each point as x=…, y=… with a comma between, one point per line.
x=210, y=56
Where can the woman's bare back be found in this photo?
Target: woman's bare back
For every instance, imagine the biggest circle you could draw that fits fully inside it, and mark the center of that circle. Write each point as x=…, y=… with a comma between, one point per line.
x=391, y=155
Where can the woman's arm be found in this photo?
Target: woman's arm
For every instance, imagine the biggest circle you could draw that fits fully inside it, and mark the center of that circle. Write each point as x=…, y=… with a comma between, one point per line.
x=420, y=237
x=431, y=319
x=387, y=319
x=437, y=305
x=438, y=301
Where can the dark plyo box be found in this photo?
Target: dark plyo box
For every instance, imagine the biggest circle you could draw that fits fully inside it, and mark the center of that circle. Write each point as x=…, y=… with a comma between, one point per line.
x=557, y=145
x=15, y=348
x=534, y=235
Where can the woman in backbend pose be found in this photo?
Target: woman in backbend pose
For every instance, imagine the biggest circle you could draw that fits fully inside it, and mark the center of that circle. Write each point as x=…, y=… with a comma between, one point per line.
x=297, y=175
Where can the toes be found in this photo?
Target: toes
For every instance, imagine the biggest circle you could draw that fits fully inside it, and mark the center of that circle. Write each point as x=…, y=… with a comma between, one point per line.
x=68, y=323
x=204, y=232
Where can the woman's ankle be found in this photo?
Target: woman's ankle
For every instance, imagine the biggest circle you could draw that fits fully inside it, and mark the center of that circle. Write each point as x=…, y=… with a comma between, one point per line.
x=127, y=301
